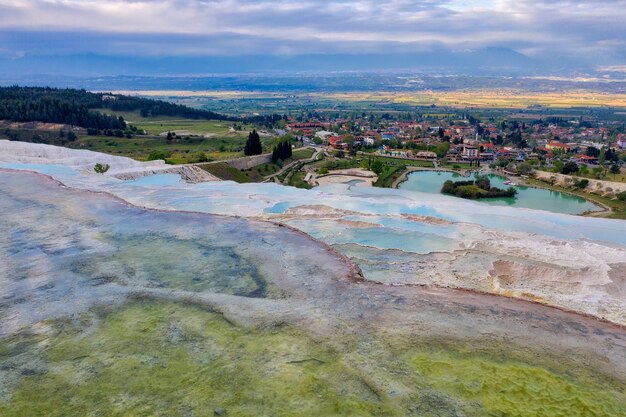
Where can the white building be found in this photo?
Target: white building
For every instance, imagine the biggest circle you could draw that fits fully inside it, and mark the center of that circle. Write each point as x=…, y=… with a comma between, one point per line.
x=368, y=140
x=470, y=152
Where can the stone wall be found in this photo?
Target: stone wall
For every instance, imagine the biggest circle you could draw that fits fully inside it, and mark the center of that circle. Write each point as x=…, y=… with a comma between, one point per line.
x=248, y=162
x=188, y=173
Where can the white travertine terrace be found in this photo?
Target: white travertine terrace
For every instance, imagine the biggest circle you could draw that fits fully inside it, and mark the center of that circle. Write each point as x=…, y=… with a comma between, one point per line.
x=397, y=237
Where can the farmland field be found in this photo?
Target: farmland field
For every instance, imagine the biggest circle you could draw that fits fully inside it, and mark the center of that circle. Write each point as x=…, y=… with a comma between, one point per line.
x=232, y=101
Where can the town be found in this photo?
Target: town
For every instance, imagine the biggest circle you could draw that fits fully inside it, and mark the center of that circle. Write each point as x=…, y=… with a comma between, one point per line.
x=466, y=139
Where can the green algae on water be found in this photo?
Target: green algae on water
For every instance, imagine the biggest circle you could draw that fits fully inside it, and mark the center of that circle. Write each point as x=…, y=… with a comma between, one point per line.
x=512, y=388
x=173, y=360
x=152, y=358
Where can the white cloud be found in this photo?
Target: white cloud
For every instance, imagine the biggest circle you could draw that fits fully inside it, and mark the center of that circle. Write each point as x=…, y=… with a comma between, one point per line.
x=536, y=27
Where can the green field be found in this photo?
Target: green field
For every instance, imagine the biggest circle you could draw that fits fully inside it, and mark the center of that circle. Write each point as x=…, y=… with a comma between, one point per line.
x=181, y=151
x=195, y=140
x=459, y=165
x=297, y=180
x=224, y=171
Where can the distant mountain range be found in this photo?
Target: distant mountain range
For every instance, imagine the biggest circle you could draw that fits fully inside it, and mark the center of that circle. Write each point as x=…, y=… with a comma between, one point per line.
x=435, y=70
x=489, y=61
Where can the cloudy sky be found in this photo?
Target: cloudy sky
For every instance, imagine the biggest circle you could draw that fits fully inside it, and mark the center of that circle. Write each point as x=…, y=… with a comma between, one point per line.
x=590, y=31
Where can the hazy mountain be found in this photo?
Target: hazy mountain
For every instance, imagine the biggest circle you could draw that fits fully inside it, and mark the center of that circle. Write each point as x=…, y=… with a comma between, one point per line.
x=491, y=61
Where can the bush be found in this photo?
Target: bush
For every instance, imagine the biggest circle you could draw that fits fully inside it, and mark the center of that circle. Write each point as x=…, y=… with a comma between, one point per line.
x=581, y=184
x=201, y=157
x=448, y=187
x=481, y=188
x=621, y=196
x=154, y=155
x=101, y=168
x=483, y=182
x=569, y=168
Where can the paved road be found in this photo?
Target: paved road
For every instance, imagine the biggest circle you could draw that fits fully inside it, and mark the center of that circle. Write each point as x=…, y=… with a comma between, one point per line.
x=290, y=165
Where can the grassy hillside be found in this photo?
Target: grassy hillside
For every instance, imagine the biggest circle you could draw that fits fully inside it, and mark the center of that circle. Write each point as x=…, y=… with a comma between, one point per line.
x=195, y=140
x=226, y=172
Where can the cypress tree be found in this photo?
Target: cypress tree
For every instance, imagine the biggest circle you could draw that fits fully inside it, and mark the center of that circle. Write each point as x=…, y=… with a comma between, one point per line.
x=282, y=150
x=253, y=144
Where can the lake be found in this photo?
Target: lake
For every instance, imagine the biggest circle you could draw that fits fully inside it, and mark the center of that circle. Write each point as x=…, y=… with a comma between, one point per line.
x=527, y=197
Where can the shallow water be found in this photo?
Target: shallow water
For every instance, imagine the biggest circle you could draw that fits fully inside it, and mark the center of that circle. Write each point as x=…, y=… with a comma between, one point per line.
x=527, y=197
x=48, y=169
x=162, y=180
x=567, y=261
x=108, y=308
x=174, y=359
x=249, y=200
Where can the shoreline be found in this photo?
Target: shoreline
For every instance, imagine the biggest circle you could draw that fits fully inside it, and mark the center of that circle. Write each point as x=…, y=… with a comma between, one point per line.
x=603, y=211
x=411, y=169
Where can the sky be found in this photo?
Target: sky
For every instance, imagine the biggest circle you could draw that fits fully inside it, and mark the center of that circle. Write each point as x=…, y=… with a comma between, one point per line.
x=589, y=32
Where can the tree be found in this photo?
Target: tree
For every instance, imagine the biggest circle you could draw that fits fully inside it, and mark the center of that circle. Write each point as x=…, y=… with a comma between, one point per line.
x=377, y=167
x=253, y=144
x=101, y=168
x=442, y=149
x=569, y=168
x=611, y=155
x=282, y=150
x=615, y=169
x=524, y=169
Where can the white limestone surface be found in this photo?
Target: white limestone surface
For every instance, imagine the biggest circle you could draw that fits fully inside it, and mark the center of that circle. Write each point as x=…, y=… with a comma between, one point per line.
x=401, y=237
x=79, y=159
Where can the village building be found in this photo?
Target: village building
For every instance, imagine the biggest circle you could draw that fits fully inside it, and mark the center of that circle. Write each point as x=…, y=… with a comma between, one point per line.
x=470, y=152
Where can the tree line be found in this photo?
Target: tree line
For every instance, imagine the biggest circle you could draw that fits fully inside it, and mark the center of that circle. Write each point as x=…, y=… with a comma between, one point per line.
x=79, y=107
x=28, y=104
